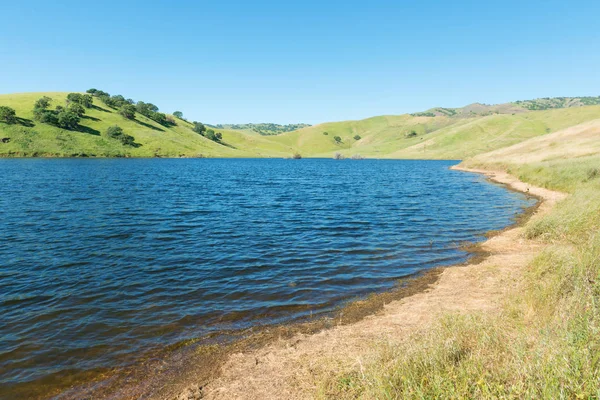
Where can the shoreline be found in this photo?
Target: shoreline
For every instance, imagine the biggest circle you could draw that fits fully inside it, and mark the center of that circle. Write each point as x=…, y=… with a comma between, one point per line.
x=185, y=371
x=195, y=366
x=238, y=366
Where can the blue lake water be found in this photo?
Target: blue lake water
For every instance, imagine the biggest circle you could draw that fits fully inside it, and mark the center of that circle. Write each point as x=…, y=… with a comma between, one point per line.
x=101, y=260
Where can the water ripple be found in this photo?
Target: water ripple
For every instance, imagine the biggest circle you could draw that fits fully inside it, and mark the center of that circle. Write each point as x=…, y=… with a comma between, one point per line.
x=103, y=259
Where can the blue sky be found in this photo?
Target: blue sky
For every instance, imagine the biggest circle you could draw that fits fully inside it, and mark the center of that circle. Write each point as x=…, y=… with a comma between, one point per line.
x=305, y=61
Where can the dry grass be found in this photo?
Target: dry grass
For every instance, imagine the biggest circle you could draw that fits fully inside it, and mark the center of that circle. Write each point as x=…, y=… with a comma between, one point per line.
x=545, y=342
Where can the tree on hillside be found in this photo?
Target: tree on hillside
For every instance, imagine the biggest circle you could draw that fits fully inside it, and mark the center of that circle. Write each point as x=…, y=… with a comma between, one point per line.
x=337, y=139
x=42, y=103
x=178, y=114
x=41, y=112
x=67, y=119
x=8, y=115
x=76, y=108
x=325, y=133
x=91, y=91
x=128, y=111
x=357, y=137
x=199, y=127
x=86, y=100
x=116, y=132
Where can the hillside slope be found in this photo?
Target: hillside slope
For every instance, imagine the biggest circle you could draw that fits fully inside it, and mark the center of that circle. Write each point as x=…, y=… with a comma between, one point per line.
x=31, y=138
x=457, y=135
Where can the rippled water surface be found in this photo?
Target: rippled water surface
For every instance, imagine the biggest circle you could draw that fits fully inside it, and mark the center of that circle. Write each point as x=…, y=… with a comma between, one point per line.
x=104, y=259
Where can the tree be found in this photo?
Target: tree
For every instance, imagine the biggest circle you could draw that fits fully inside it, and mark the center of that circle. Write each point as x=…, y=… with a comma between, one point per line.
x=411, y=134
x=8, y=115
x=210, y=134
x=116, y=132
x=357, y=137
x=41, y=112
x=128, y=111
x=42, y=103
x=68, y=119
x=76, y=108
x=337, y=139
x=219, y=136
x=92, y=91
x=178, y=114
x=325, y=133
x=87, y=100
x=199, y=128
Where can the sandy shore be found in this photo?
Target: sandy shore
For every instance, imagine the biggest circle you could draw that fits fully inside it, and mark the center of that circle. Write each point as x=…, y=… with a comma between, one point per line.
x=289, y=368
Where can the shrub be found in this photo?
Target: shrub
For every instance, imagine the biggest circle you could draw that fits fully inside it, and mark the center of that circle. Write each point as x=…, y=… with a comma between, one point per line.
x=8, y=115
x=325, y=133
x=338, y=156
x=127, y=111
x=297, y=156
x=199, y=127
x=42, y=103
x=67, y=119
x=337, y=139
x=116, y=132
x=357, y=157
x=356, y=137
x=76, y=108
x=85, y=100
x=411, y=134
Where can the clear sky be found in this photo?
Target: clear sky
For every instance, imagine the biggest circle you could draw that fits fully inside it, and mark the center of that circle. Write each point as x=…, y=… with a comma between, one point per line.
x=303, y=61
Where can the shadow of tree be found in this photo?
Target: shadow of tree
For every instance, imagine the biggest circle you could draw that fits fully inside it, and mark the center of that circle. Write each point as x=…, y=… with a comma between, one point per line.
x=227, y=145
x=148, y=125
x=95, y=107
x=25, y=122
x=90, y=118
x=87, y=129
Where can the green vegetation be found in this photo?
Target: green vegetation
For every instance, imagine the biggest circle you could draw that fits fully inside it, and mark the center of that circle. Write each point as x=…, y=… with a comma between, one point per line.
x=545, y=342
x=356, y=137
x=8, y=115
x=37, y=129
x=266, y=129
x=116, y=132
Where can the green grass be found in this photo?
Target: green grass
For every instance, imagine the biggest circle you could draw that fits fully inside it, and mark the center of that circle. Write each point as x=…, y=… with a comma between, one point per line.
x=546, y=341
x=441, y=137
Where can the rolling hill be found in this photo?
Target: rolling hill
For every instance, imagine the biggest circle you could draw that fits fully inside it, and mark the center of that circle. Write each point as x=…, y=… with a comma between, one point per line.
x=446, y=134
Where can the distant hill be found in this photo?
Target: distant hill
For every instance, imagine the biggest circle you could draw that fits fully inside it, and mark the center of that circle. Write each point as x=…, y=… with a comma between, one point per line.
x=441, y=133
x=266, y=129
x=520, y=106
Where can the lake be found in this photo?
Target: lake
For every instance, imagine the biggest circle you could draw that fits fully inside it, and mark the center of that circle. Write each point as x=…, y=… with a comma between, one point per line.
x=105, y=259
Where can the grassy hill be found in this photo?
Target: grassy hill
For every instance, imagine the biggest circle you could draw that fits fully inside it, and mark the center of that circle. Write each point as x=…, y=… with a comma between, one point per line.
x=454, y=134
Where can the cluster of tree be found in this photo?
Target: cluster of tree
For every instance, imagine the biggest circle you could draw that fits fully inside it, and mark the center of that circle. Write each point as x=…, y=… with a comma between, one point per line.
x=201, y=129
x=546, y=103
x=116, y=132
x=128, y=108
x=8, y=115
x=64, y=117
x=266, y=129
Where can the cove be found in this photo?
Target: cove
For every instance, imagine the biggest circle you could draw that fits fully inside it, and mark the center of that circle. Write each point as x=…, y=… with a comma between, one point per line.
x=105, y=259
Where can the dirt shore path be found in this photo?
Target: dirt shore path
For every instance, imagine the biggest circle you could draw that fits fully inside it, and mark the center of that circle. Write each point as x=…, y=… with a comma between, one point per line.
x=290, y=368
